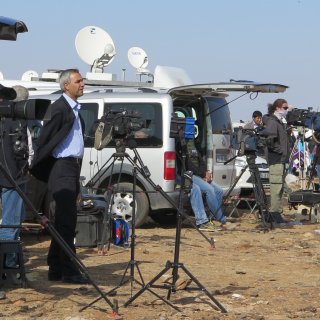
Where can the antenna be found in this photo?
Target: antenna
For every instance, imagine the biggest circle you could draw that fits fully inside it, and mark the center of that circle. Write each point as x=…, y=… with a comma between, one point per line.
x=139, y=60
x=28, y=75
x=95, y=47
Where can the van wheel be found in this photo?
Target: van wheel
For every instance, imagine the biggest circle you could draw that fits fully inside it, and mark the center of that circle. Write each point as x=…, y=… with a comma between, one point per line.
x=122, y=203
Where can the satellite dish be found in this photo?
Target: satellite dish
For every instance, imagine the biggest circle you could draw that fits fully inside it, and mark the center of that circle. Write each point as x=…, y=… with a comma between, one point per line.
x=137, y=58
x=28, y=75
x=95, y=47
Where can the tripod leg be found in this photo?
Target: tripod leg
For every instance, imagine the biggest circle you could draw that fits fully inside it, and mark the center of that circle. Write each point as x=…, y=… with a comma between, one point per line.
x=202, y=288
x=148, y=287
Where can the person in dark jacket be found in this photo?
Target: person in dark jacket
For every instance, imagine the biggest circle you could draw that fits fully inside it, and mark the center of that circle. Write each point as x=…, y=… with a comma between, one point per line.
x=15, y=156
x=278, y=152
x=57, y=161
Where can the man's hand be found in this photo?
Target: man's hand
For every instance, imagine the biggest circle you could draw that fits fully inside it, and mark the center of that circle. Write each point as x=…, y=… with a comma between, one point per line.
x=208, y=177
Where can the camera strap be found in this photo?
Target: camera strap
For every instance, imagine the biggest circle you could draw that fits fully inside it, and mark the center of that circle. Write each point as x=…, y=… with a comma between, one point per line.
x=103, y=135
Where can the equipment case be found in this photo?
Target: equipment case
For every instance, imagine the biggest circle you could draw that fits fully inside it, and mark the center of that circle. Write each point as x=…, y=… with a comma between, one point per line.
x=305, y=197
x=88, y=230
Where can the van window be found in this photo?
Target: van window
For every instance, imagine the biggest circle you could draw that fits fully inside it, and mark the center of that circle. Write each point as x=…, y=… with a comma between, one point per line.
x=89, y=113
x=150, y=114
x=220, y=117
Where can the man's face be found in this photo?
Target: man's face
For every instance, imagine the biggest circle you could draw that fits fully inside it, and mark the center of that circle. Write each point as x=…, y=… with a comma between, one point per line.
x=257, y=120
x=74, y=89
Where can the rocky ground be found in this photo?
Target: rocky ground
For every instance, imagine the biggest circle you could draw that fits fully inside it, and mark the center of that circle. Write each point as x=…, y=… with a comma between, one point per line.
x=248, y=274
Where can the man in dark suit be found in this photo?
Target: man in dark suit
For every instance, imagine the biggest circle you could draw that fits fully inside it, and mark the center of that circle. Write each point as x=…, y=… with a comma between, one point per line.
x=58, y=162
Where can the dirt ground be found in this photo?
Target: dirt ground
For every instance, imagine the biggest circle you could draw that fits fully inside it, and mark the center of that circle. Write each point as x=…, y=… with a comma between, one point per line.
x=250, y=274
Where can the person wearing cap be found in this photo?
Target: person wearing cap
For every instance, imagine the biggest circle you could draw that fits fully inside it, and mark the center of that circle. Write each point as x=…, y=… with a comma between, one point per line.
x=278, y=152
x=256, y=121
x=15, y=156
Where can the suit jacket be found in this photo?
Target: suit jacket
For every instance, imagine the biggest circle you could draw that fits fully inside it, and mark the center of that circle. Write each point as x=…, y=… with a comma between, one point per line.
x=53, y=132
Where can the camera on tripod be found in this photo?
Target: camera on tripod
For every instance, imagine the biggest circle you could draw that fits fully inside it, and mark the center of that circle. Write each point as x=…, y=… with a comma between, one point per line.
x=304, y=118
x=116, y=125
x=251, y=141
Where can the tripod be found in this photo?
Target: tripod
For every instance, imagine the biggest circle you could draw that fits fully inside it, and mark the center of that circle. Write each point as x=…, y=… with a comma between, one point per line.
x=144, y=171
x=259, y=193
x=299, y=157
x=132, y=264
x=45, y=222
x=175, y=265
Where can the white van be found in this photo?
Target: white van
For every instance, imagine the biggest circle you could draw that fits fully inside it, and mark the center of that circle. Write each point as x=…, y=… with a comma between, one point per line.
x=207, y=103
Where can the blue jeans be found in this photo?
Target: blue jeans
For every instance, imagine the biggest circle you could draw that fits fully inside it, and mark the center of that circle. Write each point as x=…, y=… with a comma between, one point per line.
x=12, y=214
x=213, y=194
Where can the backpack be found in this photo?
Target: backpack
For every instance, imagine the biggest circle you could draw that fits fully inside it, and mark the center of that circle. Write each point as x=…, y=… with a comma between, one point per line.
x=121, y=232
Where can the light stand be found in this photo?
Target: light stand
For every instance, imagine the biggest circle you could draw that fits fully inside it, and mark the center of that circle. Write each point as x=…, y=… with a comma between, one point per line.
x=175, y=265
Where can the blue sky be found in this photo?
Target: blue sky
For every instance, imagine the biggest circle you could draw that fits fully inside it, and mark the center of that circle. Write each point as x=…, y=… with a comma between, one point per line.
x=265, y=41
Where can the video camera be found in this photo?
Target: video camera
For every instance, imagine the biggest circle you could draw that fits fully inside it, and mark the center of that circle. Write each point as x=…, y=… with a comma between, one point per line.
x=116, y=125
x=304, y=118
x=251, y=141
x=9, y=28
x=33, y=109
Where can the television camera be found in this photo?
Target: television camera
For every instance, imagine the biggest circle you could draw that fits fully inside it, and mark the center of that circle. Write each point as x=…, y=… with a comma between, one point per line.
x=9, y=28
x=251, y=141
x=116, y=125
x=33, y=109
x=304, y=118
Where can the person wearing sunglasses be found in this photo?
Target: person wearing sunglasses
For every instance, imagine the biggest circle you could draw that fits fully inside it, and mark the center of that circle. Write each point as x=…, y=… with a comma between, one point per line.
x=278, y=152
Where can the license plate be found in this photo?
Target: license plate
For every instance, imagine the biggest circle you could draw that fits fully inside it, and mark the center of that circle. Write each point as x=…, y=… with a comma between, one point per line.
x=264, y=175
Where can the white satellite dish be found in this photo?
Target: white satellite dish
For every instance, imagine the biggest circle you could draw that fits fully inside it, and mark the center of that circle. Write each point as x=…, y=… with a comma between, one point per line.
x=137, y=58
x=95, y=47
x=28, y=75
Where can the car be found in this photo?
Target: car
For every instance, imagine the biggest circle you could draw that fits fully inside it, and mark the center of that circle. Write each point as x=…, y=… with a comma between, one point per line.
x=102, y=171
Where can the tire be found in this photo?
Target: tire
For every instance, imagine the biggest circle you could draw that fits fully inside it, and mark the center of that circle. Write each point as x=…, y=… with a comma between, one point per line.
x=122, y=204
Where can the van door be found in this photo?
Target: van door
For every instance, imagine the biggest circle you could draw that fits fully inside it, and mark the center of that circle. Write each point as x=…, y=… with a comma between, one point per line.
x=207, y=103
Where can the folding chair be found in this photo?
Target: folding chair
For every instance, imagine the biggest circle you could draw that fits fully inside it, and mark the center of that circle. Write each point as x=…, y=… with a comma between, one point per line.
x=249, y=201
